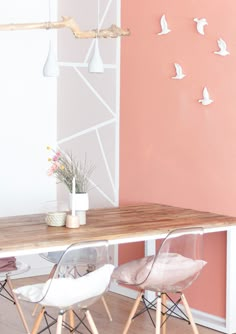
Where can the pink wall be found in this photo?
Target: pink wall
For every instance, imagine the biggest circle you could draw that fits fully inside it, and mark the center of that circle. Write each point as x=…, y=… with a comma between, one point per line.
x=173, y=149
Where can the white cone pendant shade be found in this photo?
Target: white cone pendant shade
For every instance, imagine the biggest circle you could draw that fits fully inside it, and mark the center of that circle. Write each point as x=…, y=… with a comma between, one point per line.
x=96, y=64
x=51, y=68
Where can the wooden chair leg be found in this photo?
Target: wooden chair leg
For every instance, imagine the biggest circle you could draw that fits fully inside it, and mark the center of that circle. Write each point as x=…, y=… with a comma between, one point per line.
x=59, y=323
x=35, y=309
x=106, y=308
x=158, y=314
x=9, y=283
x=64, y=319
x=132, y=313
x=189, y=314
x=38, y=321
x=91, y=322
x=163, y=316
x=71, y=319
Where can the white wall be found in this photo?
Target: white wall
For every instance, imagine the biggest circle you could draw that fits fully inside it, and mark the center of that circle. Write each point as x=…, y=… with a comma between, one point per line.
x=27, y=111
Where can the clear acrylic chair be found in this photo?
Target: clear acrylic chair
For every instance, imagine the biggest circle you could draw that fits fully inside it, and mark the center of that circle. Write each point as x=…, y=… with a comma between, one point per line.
x=72, y=286
x=175, y=267
x=54, y=257
x=11, y=267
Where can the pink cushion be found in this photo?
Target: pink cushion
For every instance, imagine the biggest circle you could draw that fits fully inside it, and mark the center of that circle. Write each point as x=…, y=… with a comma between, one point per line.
x=7, y=264
x=170, y=272
x=128, y=272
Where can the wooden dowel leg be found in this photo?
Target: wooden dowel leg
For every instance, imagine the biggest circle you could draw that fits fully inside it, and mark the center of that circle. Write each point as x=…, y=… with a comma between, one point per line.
x=189, y=314
x=158, y=314
x=163, y=316
x=59, y=323
x=132, y=313
x=106, y=308
x=71, y=319
x=9, y=283
x=38, y=321
x=91, y=322
x=35, y=310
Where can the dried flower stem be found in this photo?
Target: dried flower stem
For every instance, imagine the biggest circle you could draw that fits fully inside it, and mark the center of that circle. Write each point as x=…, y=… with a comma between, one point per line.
x=64, y=167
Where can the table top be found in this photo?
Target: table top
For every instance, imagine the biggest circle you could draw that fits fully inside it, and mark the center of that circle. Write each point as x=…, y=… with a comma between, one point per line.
x=29, y=234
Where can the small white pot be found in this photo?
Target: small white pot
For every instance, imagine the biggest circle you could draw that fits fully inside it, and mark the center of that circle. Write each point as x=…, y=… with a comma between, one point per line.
x=81, y=202
x=56, y=219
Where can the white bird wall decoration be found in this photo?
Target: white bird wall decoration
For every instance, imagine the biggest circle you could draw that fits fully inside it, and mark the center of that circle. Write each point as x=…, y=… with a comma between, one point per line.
x=201, y=23
x=206, y=100
x=164, y=26
x=222, y=48
x=179, y=72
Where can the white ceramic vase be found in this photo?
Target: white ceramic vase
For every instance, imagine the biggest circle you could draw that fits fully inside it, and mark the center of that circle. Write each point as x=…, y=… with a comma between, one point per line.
x=81, y=204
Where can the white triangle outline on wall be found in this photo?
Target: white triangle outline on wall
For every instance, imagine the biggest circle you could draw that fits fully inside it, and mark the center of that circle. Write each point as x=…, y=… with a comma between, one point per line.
x=94, y=91
x=96, y=130
x=114, y=113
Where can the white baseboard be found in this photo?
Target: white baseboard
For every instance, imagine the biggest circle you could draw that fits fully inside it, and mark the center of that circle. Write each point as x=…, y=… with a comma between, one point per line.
x=206, y=319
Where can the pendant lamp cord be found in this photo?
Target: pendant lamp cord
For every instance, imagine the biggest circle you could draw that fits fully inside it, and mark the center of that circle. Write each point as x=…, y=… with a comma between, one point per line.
x=49, y=11
x=98, y=15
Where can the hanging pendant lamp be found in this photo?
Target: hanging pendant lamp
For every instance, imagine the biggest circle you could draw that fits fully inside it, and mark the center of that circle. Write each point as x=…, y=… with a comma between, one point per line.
x=51, y=68
x=96, y=64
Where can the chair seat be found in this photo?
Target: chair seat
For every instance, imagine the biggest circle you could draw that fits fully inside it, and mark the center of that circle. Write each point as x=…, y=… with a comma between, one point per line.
x=11, y=267
x=20, y=268
x=168, y=273
x=53, y=257
x=58, y=298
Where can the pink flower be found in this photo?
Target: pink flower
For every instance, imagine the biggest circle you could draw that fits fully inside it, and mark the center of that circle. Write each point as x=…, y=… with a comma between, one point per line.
x=54, y=167
x=50, y=172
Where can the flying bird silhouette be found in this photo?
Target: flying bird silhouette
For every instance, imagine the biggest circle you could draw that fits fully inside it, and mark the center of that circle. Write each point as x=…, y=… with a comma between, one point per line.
x=179, y=72
x=201, y=23
x=164, y=26
x=222, y=48
x=206, y=98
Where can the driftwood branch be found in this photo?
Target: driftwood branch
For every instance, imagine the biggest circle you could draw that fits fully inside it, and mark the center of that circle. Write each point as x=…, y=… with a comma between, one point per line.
x=70, y=23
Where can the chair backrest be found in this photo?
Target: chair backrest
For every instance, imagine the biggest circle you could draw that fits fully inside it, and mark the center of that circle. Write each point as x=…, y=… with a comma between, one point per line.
x=177, y=263
x=53, y=257
x=81, y=276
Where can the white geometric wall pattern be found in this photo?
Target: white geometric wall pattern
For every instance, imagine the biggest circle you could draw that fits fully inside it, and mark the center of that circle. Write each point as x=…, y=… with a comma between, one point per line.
x=88, y=103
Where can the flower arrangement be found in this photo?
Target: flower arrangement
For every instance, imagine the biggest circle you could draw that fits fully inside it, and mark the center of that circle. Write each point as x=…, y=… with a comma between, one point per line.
x=64, y=167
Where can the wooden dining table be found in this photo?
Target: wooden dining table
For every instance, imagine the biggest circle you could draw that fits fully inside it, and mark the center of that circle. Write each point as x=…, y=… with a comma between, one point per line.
x=29, y=234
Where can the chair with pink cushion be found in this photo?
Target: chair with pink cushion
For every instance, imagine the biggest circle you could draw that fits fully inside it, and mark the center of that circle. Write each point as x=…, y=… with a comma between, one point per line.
x=174, y=268
x=10, y=267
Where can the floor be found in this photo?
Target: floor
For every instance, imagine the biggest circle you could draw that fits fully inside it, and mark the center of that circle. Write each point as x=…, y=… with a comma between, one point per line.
x=119, y=306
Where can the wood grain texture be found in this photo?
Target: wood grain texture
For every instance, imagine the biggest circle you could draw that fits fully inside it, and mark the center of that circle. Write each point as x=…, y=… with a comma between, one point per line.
x=113, y=224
